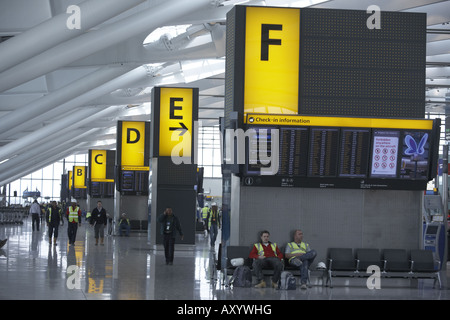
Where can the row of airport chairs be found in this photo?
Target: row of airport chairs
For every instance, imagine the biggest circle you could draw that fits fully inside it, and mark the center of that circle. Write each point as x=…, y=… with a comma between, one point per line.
x=12, y=215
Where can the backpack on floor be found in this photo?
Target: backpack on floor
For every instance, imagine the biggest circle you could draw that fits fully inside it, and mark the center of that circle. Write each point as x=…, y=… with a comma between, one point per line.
x=287, y=281
x=242, y=277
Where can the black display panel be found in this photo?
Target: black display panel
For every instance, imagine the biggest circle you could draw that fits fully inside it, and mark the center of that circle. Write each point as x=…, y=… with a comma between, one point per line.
x=99, y=189
x=342, y=157
x=259, y=147
x=347, y=68
x=293, y=151
x=134, y=182
x=323, y=151
x=79, y=193
x=354, y=153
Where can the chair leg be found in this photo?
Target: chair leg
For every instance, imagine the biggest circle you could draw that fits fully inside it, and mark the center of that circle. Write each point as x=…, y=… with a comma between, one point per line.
x=438, y=279
x=329, y=279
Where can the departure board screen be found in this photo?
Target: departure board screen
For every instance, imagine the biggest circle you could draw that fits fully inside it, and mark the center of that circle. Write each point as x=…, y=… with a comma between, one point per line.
x=323, y=150
x=134, y=182
x=354, y=153
x=340, y=157
x=259, y=149
x=293, y=151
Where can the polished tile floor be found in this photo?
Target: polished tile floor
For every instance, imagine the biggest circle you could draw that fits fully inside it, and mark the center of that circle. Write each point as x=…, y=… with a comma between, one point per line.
x=127, y=268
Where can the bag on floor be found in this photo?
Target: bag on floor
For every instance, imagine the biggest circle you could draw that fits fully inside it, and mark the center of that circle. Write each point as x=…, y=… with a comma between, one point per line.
x=287, y=281
x=242, y=277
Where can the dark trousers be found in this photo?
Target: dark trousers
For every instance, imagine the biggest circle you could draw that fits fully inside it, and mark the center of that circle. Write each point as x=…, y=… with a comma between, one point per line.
x=213, y=234
x=35, y=220
x=169, y=246
x=53, y=230
x=303, y=262
x=72, y=231
x=269, y=263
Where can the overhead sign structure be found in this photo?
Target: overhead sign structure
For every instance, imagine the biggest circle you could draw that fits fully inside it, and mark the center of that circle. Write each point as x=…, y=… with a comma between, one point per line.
x=272, y=54
x=79, y=177
x=324, y=62
x=98, y=165
x=133, y=149
x=101, y=173
x=133, y=157
x=174, y=115
x=79, y=189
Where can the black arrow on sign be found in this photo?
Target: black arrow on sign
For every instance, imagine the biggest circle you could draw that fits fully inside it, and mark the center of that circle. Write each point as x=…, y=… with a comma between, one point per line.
x=183, y=128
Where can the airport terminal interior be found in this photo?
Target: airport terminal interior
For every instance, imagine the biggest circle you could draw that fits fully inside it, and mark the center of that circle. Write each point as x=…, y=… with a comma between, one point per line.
x=96, y=95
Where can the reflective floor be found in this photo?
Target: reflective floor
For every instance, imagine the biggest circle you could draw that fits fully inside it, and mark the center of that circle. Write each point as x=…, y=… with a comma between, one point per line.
x=127, y=268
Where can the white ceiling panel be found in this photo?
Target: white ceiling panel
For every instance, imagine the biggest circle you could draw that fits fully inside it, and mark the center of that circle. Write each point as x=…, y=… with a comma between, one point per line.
x=192, y=57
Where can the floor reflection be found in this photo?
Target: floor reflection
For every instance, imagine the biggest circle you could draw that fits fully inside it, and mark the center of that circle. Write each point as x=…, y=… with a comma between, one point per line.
x=126, y=268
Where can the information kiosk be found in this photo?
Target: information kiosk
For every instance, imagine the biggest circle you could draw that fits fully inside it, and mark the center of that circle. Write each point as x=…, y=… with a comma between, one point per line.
x=434, y=229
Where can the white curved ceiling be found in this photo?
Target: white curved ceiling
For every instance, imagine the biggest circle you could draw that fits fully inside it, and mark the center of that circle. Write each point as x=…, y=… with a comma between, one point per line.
x=63, y=89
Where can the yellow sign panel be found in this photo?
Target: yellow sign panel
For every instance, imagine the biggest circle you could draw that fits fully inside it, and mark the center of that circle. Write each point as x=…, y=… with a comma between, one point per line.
x=272, y=55
x=79, y=177
x=133, y=143
x=98, y=166
x=296, y=120
x=175, y=122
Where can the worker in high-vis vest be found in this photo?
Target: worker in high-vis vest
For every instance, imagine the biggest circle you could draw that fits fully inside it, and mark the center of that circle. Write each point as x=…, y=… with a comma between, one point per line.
x=53, y=218
x=74, y=218
x=266, y=254
x=300, y=255
x=124, y=225
x=205, y=211
x=213, y=219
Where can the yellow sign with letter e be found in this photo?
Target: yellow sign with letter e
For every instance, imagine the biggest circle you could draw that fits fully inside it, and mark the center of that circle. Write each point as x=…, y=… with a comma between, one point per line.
x=175, y=123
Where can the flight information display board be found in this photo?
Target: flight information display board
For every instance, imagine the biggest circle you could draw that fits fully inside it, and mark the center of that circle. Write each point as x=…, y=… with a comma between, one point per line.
x=323, y=153
x=134, y=182
x=293, y=151
x=342, y=157
x=354, y=153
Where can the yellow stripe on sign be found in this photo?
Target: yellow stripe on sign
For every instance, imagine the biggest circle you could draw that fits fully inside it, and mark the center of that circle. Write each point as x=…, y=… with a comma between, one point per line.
x=70, y=179
x=297, y=120
x=175, y=122
x=272, y=54
x=133, y=143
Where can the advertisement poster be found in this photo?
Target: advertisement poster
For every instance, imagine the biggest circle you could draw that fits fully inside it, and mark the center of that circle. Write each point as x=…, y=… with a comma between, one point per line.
x=415, y=155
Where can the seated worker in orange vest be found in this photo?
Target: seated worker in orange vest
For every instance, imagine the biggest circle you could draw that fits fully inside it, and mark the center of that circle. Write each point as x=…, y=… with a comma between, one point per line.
x=266, y=255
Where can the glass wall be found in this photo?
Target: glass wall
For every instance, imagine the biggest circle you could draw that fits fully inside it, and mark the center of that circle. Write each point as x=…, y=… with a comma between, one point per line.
x=46, y=180
x=209, y=155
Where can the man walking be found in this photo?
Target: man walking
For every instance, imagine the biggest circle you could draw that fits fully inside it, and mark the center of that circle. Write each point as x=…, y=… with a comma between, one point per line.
x=99, y=220
x=169, y=224
x=53, y=218
x=35, y=211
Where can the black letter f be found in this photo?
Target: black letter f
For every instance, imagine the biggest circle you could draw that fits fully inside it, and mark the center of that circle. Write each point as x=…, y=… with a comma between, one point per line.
x=266, y=41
